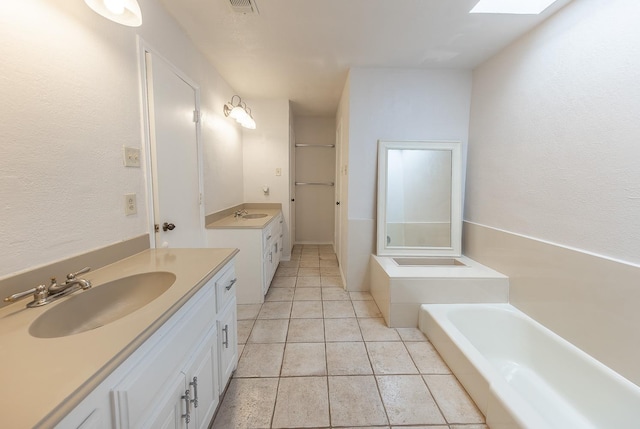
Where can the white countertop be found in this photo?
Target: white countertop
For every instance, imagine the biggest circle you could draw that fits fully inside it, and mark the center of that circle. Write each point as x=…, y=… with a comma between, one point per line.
x=240, y=222
x=42, y=379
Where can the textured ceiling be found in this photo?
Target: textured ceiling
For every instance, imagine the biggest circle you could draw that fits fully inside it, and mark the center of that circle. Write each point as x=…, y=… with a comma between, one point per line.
x=302, y=49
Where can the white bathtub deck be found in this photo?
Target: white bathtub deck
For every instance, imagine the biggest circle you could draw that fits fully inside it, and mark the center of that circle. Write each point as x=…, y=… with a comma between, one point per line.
x=400, y=290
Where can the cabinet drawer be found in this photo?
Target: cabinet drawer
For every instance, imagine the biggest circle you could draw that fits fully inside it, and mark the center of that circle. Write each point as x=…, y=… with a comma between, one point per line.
x=226, y=287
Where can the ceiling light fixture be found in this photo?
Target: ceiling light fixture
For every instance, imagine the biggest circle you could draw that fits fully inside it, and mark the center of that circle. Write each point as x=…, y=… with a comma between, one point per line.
x=240, y=112
x=516, y=7
x=125, y=12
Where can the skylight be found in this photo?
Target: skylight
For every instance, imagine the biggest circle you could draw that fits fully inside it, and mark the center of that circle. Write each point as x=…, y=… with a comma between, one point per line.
x=519, y=7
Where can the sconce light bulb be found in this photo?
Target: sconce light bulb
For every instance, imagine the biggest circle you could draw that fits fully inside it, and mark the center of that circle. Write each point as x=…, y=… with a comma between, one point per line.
x=115, y=6
x=249, y=123
x=237, y=113
x=125, y=12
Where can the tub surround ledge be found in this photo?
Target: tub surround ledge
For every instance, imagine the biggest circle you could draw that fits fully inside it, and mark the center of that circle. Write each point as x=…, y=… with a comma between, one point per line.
x=400, y=290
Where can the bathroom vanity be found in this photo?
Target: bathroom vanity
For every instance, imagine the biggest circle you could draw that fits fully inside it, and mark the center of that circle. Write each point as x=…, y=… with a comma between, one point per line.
x=260, y=242
x=163, y=365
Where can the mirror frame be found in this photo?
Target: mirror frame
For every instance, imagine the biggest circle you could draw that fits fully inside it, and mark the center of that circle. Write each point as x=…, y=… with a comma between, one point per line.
x=456, y=199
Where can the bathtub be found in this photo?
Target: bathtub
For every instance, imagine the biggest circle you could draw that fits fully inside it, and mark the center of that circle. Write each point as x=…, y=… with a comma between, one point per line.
x=522, y=375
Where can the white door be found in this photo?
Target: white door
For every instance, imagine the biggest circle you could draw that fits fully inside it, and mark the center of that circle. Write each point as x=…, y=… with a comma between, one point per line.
x=178, y=213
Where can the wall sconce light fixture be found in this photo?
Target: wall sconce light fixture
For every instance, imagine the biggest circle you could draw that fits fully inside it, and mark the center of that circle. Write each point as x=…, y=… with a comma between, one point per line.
x=125, y=12
x=240, y=112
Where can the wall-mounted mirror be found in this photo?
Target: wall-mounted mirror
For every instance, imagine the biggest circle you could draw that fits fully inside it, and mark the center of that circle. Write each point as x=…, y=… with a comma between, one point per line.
x=419, y=198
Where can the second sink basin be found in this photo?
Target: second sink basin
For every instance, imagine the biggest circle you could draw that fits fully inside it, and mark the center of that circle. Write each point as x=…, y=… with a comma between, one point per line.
x=100, y=305
x=255, y=215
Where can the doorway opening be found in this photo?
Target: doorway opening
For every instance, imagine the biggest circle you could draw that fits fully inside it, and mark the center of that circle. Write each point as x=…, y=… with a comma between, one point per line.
x=315, y=180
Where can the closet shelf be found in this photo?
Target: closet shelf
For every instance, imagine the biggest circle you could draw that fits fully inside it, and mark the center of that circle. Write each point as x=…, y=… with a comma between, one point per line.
x=314, y=183
x=314, y=145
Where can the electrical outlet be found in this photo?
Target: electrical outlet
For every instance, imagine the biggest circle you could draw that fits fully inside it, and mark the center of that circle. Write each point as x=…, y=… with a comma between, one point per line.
x=131, y=157
x=130, y=204
x=278, y=171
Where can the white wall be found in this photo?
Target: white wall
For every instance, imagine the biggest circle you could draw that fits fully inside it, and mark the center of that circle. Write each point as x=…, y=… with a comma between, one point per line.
x=553, y=176
x=394, y=104
x=265, y=149
x=554, y=150
x=70, y=90
x=315, y=204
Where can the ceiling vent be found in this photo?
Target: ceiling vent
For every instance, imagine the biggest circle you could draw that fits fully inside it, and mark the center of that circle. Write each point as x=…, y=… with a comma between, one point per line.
x=244, y=7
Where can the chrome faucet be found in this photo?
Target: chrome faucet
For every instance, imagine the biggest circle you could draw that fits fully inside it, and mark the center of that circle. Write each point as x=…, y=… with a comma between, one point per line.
x=45, y=294
x=240, y=213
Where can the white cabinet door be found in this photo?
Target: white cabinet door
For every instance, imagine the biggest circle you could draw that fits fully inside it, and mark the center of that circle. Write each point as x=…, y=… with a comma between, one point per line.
x=202, y=378
x=227, y=342
x=171, y=410
x=95, y=421
x=266, y=270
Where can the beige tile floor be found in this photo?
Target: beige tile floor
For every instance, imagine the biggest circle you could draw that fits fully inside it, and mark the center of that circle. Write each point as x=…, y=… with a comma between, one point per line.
x=314, y=355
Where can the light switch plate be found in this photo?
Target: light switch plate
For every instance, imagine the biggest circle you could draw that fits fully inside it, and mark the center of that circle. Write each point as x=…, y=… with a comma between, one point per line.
x=130, y=204
x=278, y=171
x=131, y=157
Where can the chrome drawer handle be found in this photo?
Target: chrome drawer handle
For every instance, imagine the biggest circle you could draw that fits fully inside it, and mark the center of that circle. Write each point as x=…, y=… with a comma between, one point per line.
x=225, y=343
x=269, y=237
x=231, y=283
x=187, y=401
x=194, y=383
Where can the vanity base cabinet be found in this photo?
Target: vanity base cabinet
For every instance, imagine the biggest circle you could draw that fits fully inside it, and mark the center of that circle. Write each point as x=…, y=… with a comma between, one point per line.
x=260, y=254
x=174, y=374
x=200, y=380
x=135, y=399
x=191, y=397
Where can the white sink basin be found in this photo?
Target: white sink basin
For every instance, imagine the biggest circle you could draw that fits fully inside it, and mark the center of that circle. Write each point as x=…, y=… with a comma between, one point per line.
x=101, y=305
x=255, y=215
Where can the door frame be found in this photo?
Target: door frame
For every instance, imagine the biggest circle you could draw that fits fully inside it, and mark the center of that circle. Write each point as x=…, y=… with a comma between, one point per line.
x=145, y=48
x=292, y=188
x=337, y=235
